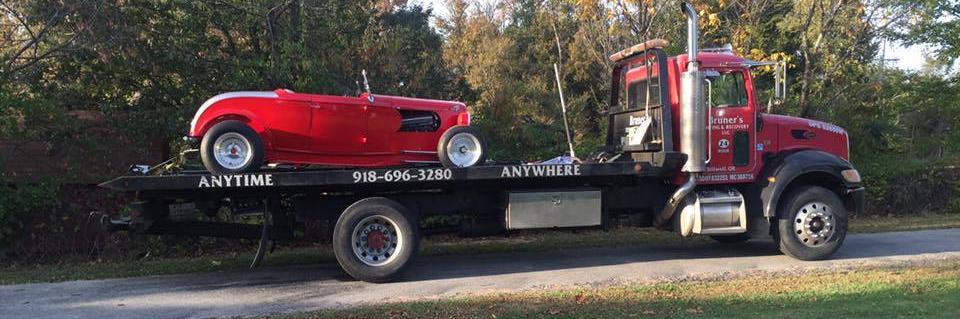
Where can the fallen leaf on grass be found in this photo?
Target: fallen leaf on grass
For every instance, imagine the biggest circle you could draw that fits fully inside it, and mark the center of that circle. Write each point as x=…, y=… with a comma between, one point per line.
x=695, y=311
x=397, y=314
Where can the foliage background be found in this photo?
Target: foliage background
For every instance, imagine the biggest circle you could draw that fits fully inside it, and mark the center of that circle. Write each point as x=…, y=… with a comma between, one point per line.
x=141, y=67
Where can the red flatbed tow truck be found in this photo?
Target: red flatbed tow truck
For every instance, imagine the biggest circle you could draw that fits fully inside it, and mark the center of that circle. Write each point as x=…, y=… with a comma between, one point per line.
x=688, y=150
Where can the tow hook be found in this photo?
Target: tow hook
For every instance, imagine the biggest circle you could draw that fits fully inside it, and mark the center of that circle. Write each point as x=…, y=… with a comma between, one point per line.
x=112, y=225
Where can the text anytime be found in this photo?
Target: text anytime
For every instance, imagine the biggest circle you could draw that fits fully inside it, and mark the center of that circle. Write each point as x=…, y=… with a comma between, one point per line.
x=236, y=180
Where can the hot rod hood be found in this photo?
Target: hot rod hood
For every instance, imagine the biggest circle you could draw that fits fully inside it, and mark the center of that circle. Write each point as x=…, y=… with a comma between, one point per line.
x=416, y=103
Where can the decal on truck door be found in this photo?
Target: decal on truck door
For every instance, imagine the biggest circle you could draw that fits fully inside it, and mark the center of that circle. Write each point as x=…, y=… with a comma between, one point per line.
x=733, y=119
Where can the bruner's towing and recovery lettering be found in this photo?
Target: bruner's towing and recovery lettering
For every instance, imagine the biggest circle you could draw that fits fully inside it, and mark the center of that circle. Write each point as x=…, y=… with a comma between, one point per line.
x=540, y=170
x=251, y=180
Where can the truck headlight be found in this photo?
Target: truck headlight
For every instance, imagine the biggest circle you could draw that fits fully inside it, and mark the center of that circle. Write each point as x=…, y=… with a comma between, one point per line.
x=851, y=175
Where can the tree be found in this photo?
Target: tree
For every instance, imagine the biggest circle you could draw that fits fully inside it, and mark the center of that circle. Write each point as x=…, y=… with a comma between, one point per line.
x=932, y=22
x=147, y=65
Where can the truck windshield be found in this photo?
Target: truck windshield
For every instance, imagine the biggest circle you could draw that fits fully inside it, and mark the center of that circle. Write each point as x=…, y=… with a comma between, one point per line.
x=728, y=90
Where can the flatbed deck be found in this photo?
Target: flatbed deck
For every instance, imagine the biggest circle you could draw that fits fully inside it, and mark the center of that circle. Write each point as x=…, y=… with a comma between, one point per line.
x=394, y=178
x=177, y=203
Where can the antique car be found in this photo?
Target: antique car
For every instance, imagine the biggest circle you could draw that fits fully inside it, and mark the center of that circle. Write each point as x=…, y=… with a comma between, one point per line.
x=239, y=132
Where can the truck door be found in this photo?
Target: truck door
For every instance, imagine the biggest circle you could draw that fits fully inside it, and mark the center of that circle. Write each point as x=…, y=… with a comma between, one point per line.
x=732, y=131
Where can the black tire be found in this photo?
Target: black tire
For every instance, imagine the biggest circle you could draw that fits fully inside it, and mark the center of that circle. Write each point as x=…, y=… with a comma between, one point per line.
x=348, y=223
x=796, y=202
x=444, y=153
x=731, y=239
x=225, y=127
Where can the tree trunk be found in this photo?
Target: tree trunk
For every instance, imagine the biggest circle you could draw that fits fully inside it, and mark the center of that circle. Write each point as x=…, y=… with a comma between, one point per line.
x=805, y=85
x=296, y=39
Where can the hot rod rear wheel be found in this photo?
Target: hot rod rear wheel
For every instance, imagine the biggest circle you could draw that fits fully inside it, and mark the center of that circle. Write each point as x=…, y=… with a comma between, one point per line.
x=375, y=239
x=231, y=147
x=461, y=146
x=812, y=223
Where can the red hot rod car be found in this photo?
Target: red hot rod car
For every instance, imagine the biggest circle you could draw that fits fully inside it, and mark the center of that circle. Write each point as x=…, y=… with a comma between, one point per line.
x=241, y=131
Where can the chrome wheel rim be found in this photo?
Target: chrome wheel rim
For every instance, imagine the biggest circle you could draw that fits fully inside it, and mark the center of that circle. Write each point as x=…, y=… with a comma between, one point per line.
x=814, y=224
x=464, y=150
x=232, y=150
x=376, y=240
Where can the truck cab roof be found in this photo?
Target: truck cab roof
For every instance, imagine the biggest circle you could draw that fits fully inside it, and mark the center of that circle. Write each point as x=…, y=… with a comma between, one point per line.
x=713, y=60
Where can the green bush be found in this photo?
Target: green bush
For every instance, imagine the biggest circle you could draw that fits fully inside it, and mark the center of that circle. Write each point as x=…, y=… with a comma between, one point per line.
x=19, y=202
x=901, y=185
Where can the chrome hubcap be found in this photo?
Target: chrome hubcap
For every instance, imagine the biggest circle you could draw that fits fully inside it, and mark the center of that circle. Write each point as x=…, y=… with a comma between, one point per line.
x=232, y=150
x=464, y=150
x=814, y=225
x=376, y=240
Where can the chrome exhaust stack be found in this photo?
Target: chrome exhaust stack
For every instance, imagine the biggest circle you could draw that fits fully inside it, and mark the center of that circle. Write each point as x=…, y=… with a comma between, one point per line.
x=693, y=124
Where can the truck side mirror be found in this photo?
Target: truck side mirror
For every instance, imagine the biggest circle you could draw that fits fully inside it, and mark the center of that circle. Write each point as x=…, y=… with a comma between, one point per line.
x=780, y=82
x=707, y=75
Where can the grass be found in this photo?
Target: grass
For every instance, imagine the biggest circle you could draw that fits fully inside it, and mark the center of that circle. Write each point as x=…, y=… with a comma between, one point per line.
x=904, y=223
x=918, y=292
x=436, y=245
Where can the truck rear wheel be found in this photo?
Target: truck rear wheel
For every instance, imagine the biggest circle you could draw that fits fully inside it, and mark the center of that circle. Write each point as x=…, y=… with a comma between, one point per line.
x=375, y=239
x=812, y=223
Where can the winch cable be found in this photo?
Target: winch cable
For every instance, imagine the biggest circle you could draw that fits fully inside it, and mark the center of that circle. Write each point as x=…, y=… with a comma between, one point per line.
x=648, y=65
x=646, y=37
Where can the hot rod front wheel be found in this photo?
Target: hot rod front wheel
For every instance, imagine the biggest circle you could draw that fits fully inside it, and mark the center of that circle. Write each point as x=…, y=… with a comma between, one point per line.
x=461, y=146
x=231, y=147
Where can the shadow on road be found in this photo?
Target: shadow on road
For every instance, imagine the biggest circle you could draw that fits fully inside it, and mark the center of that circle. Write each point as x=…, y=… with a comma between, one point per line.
x=446, y=267
x=300, y=288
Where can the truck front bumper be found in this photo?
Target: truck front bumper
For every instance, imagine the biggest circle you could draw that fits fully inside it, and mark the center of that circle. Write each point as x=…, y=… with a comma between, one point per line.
x=856, y=200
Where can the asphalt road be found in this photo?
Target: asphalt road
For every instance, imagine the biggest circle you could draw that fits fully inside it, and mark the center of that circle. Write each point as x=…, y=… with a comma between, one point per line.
x=305, y=288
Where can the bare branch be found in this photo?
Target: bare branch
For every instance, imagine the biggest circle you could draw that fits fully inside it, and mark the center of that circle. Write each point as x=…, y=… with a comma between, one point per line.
x=50, y=23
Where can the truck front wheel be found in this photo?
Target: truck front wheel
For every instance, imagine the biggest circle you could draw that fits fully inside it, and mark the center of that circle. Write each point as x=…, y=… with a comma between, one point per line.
x=374, y=239
x=812, y=223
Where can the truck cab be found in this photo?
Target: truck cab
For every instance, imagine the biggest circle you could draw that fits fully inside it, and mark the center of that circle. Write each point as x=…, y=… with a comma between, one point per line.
x=747, y=173
x=739, y=135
